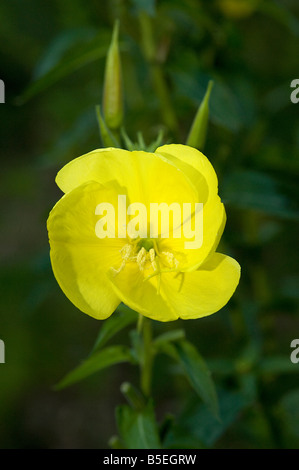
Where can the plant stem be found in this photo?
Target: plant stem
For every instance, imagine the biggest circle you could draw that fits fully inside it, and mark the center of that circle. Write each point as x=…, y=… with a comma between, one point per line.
x=147, y=357
x=140, y=323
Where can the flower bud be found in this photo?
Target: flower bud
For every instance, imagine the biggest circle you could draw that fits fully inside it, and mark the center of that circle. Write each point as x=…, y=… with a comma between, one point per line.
x=113, y=94
x=198, y=131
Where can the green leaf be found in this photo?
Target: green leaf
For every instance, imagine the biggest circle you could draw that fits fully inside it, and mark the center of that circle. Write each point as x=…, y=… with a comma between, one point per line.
x=197, y=425
x=197, y=373
x=173, y=335
x=282, y=14
x=276, y=365
x=137, y=346
x=96, y=362
x=224, y=105
x=138, y=429
x=57, y=50
x=122, y=317
x=67, y=145
x=287, y=411
x=248, y=189
x=90, y=52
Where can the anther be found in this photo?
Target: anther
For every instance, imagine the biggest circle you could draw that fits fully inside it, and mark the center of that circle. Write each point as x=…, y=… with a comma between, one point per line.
x=141, y=258
x=152, y=255
x=170, y=259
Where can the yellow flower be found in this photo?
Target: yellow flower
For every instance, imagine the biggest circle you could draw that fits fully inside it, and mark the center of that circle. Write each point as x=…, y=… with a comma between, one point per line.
x=160, y=277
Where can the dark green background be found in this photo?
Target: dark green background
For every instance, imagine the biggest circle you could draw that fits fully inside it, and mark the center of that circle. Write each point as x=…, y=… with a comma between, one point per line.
x=52, y=57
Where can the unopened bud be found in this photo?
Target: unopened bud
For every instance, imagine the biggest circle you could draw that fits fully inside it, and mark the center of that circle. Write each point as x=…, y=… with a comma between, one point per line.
x=113, y=93
x=198, y=131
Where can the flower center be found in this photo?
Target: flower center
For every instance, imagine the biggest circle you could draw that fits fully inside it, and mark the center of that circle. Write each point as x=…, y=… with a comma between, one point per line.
x=146, y=243
x=151, y=262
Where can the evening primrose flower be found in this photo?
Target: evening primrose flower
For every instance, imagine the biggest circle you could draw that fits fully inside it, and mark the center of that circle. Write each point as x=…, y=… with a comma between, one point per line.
x=99, y=264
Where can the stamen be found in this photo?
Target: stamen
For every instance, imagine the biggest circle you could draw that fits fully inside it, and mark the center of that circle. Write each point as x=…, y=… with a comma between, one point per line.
x=156, y=267
x=142, y=258
x=170, y=259
x=127, y=252
x=152, y=255
x=146, y=251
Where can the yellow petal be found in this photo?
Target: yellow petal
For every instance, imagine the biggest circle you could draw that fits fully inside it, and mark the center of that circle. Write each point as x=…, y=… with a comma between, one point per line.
x=203, y=292
x=141, y=295
x=93, y=166
x=194, y=164
x=146, y=176
x=201, y=173
x=212, y=226
x=185, y=295
x=80, y=260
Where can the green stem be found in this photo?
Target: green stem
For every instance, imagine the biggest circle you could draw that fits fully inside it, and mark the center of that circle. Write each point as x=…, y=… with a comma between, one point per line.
x=140, y=323
x=147, y=357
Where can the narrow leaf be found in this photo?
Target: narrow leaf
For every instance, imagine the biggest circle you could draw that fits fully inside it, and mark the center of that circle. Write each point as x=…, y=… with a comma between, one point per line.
x=98, y=361
x=138, y=429
x=173, y=335
x=93, y=51
x=264, y=193
x=197, y=424
x=276, y=365
x=197, y=373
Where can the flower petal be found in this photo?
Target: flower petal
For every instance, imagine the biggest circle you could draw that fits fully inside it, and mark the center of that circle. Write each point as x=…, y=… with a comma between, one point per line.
x=80, y=260
x=146, y=177
x=193, y=163
x=213, y=223
x=185, y=295
x=141, y=295
x=201, y=174
x=203, y=292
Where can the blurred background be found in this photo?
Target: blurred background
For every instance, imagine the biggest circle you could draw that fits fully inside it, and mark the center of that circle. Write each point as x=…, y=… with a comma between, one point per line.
x=52, y=57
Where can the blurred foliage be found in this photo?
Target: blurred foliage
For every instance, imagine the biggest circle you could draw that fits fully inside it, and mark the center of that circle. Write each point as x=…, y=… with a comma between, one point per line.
x=52, y=57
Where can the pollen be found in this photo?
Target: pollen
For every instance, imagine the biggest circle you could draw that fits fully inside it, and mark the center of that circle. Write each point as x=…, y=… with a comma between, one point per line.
x=170, y=259
x=139, y=252
x=150, y=261
x=141, y=258
x=127, y=254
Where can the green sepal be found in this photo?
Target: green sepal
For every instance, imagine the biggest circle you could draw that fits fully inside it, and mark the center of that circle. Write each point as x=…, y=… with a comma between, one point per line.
x=108, y=139
x=198, y=132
